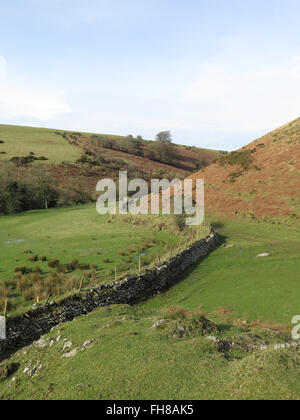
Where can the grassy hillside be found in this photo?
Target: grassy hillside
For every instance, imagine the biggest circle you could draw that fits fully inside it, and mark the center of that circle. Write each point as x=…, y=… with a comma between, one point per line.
x=118, y=353
x=212, y=336
x=59, y=146
x=260, y=180
x=143, y=154
x=21, y=141
x=235, y=281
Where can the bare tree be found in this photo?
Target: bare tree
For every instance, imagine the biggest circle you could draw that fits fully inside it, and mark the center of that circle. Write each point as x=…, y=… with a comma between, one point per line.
x=164, y=137
x=45, y=181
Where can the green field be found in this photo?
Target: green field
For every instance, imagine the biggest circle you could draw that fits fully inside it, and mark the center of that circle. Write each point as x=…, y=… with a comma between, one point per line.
x=233, y=278
x=21, y=141
x=250, y=302
x=67, y=234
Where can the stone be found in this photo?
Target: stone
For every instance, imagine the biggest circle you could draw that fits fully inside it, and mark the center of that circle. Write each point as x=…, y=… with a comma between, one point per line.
x=279, y=346
x=88, y=344
x=72, y=353
x=158, y=323
x=213, y=339
x=67, y=345
x=264, y=255
x=41, y=343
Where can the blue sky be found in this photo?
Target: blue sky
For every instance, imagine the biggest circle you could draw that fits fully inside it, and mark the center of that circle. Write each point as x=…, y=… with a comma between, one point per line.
x=217, y=73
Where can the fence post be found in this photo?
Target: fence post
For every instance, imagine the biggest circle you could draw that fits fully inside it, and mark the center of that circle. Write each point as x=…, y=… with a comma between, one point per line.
x=5, y=309
x=47, y=300
x=116, y=273
x=81, y=283
x=140, y=266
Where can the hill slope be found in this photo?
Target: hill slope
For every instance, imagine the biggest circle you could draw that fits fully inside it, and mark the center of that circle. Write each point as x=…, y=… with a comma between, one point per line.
x=117, y=152
x=260, y=180
x=21, y=141
x=116, y=353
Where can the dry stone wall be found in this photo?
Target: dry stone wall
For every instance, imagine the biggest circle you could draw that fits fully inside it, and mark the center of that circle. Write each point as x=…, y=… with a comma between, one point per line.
x=23, y=330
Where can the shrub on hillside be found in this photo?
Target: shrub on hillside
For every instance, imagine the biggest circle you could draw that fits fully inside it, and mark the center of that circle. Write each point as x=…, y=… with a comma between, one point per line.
x=33, y=258
x=53, y=263
x=180, y=222
x=23, y=270
x=84, y=266
x=243, y=159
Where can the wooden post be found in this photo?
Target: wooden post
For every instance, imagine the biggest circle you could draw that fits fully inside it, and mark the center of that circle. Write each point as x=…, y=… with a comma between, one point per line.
x=140, y=266
x=47, y=300
x=159, y=260
x=5, y=309
x=171, y=252
x=115, y=273
x=81, y=284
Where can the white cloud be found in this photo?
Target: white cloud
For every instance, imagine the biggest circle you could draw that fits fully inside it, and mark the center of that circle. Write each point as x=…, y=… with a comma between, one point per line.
x=39, y=103
x=2, y=68
x=236, y=101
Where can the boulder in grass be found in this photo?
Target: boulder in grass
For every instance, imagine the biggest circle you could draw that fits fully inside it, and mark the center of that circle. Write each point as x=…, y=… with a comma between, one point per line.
x=72, y=353
x=264, y=255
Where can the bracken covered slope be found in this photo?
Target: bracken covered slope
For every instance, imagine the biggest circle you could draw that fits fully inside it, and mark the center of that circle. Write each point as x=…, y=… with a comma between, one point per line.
x=62, y=150
x=260, y=180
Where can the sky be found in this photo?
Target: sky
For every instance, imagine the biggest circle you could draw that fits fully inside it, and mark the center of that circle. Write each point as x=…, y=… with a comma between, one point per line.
x=216, y=73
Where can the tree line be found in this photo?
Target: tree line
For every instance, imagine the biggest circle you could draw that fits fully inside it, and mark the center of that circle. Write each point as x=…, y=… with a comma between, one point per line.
x=32, y=188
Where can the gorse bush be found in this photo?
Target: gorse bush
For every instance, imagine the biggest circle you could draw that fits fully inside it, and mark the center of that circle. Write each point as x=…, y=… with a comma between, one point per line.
x=33, y=258
x=84, y=266
x=53, y=263
x=27, y=160
x=23, y=270
x=243, y=159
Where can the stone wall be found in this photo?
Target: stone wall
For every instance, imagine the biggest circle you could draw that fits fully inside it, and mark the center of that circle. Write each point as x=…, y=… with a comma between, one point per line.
x=23, y=330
